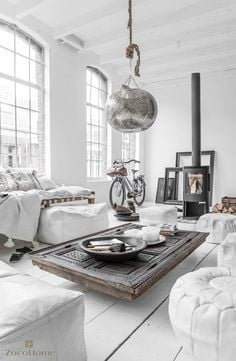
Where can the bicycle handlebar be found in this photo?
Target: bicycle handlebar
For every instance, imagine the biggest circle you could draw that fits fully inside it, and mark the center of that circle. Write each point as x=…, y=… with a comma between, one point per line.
x=132, y=160
x=122, y=162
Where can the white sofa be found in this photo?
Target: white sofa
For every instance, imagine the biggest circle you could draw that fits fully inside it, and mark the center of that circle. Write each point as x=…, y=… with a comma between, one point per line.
x=23, y=194
x=39, y=321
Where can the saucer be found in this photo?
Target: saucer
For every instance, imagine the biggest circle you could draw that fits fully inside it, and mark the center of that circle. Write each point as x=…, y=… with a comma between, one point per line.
x=161, y=239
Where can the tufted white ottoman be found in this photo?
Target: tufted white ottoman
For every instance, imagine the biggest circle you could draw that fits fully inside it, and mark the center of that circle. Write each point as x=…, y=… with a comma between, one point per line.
x=226, y=256
x=202, y=310
x=39, y=321
x=218, y=224
x=159, y=214
x=64, y=223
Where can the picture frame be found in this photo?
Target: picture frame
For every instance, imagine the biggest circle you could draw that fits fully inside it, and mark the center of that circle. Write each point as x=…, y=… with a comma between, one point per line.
x=184, y=159
x=160, y=193
x=173, y=173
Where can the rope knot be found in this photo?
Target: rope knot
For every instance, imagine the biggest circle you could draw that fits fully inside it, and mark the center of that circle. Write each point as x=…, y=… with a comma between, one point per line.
x=130, y=52
x=130, y=55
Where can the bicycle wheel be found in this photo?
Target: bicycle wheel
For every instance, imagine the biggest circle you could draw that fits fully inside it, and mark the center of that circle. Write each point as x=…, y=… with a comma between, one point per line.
x=139, y=191
x=117, y=192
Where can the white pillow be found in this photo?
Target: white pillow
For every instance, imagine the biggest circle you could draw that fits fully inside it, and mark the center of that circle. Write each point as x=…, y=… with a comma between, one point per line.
x=46, y=183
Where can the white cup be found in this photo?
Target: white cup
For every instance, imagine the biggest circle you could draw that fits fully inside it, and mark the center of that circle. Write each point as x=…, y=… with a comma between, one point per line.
x=150, y=234
x=136, y=233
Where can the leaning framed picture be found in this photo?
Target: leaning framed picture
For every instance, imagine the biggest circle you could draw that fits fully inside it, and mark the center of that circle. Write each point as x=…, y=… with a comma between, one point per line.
x=160, y=194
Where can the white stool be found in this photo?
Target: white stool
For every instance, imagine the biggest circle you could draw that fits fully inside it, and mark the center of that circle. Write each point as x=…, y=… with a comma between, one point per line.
x=218, y=224
x=202, y=310
x=39, y=321
x=63, y=223
x=159, y=214
x=227, y=253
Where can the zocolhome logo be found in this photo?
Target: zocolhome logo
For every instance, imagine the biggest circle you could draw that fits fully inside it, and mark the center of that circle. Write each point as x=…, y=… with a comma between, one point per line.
x=29, y=343
x=29, y=351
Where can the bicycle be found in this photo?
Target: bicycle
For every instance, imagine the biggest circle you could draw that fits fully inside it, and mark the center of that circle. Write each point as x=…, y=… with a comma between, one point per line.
x=122, y=185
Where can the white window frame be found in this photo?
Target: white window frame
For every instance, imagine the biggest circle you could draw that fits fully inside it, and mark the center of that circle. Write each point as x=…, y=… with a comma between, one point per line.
x=41, y=108
x=103, y=131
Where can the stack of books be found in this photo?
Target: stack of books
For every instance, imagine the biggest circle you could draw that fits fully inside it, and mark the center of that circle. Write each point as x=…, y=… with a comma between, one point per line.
x=168, y=229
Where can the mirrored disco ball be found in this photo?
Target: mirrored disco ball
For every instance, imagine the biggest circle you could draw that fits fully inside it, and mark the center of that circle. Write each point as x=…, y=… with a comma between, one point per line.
x=131, y=110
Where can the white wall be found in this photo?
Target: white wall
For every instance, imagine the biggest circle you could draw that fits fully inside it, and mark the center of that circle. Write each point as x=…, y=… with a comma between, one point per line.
x=172, y=130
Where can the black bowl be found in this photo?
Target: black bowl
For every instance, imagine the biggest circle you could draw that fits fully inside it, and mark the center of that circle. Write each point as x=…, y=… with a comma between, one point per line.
x=137, y=244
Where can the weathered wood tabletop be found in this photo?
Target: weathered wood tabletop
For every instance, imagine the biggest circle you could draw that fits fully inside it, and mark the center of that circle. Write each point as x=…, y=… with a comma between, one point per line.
x=125, y=280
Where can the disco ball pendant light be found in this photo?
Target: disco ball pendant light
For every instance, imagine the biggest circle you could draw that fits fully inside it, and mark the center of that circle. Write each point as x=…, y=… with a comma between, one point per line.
x=131, y=109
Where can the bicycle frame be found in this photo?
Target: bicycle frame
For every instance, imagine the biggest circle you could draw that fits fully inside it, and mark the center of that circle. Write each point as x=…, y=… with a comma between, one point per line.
x=129, y=185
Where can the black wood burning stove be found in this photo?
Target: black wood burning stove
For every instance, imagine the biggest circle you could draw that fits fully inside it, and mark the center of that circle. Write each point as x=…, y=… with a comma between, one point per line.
x=196, y=177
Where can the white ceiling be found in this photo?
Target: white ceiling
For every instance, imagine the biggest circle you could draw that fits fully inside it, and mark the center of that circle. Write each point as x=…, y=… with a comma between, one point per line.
x=176, y=37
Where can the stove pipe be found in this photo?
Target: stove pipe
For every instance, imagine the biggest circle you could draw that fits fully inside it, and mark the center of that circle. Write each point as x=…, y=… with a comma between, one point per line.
x=196, y=119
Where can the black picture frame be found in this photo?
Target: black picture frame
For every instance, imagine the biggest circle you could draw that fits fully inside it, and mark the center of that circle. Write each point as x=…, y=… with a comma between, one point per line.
x=184, y=159
x=160, y=194
x=176, y=171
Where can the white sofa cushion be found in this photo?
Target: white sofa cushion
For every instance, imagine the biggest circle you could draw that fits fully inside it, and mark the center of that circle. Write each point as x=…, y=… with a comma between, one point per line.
x=7, y=183
x=25, y=178
x=46, y=183
x=51, y=317
x=63, y=223
x=67, y=191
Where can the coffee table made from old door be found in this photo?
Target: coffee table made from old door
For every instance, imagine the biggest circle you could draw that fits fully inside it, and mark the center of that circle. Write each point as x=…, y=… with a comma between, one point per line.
x=125, y=280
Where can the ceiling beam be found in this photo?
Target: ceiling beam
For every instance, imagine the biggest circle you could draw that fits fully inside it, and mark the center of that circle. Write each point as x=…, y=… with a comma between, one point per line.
x=213, y=33
x=182, y=55
x=185, y=80
x=26, y=7
x=218, y=64
x=211, y=9
x=75, y=24
x=184, y=63
x=73, y=41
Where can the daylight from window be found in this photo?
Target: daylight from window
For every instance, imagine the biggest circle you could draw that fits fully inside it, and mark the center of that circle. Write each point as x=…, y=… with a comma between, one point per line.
x=130, y=149
x=96, y=124
x=21, y=99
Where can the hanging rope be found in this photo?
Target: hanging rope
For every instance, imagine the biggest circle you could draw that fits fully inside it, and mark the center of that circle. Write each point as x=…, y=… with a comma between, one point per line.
x=132, y=48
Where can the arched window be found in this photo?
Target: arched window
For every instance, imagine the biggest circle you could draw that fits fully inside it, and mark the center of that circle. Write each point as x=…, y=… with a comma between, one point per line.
x=96, y=124
x=21, y=99
x=130, y=148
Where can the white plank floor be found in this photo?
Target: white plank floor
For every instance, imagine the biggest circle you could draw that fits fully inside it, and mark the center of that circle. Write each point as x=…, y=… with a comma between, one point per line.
x=127, y=331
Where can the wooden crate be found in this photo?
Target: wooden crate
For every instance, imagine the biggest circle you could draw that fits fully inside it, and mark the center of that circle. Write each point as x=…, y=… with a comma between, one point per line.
x=229, y=201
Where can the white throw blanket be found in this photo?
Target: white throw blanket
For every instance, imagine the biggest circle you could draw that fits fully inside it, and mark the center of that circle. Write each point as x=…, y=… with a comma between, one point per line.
x=19, y=214
x=20, y=211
